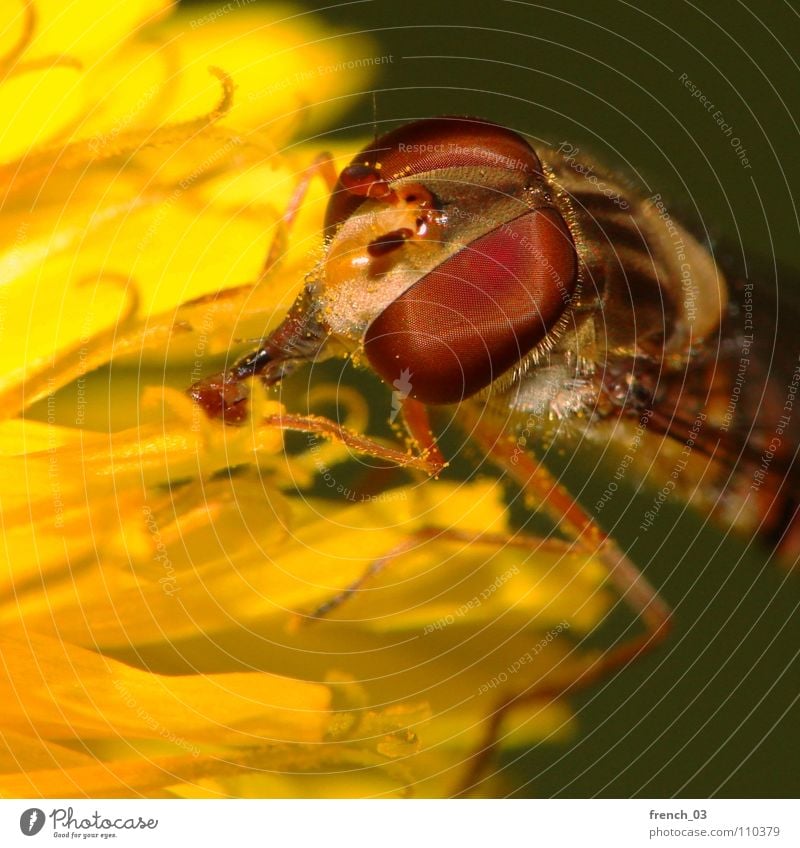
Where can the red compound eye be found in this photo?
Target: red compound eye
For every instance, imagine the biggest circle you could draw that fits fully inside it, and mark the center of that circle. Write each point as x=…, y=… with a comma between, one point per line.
x=430, y=145
x=474, y=316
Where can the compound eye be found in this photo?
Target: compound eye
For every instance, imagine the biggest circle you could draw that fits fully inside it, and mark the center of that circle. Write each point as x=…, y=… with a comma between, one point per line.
x=433, y=144
x=478, y=313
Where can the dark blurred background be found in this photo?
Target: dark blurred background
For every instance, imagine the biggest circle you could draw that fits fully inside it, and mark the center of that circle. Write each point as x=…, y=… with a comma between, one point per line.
x=715, y=712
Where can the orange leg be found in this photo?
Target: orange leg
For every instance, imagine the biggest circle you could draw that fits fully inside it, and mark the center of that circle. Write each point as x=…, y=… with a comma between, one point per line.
x=224, y=395
x=427, y=534
x=585, y=534
x=582, y=531
x=324, y=167
x=429, y=459
x=571, y=519
x=415, y=417
x=361, y=444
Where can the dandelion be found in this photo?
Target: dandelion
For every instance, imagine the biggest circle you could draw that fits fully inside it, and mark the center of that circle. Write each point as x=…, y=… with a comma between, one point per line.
x=157, y=565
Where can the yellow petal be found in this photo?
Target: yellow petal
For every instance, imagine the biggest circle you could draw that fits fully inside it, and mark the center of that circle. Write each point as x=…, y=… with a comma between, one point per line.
x=80, y=28
x=47, y=92
x=284, y=64
x=38, y=106
x=67, y=693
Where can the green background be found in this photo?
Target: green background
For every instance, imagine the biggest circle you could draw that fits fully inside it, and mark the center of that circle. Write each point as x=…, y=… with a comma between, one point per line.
x=715, y=711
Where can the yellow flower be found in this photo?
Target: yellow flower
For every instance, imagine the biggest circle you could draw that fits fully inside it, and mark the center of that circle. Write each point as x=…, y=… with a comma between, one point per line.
x=156, y=564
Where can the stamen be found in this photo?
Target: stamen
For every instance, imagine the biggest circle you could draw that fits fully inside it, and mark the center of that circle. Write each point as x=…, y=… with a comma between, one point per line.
x=85, y=152
x=83, y=356
x=24, y=40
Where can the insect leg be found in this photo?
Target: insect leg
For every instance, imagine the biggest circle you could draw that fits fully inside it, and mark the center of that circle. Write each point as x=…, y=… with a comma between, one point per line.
x=323, y=166
x=586, y=535
x=570, y=517
x=415, y=417
x=328, y=429
x=412, y=541
x=428, y=459
x=223, y=395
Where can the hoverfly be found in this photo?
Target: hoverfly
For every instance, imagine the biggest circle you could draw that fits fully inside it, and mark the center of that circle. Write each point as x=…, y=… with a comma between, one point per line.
x=531, y=300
